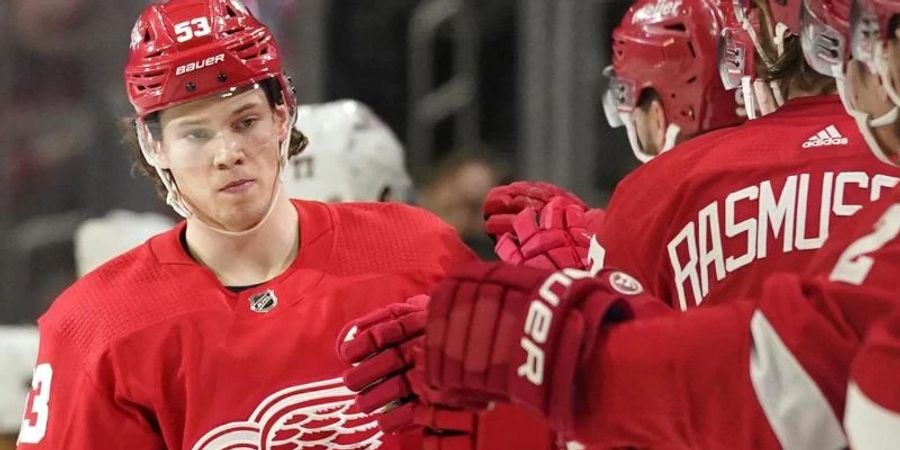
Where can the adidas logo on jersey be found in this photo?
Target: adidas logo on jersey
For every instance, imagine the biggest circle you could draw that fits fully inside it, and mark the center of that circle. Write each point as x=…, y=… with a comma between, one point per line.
x=829, y=136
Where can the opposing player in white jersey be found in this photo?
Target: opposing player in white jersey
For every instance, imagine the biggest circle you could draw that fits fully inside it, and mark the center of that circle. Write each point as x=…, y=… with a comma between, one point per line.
x=99, y=239
x=352, y=156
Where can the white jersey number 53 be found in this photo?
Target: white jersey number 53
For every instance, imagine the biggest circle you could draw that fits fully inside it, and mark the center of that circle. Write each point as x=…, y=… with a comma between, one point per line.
x=37, y=410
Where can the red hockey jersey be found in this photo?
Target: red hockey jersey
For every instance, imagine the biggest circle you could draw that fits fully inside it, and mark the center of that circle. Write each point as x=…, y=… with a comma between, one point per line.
x=712, y=218
x=753, y=374
x=872, y=417
x=152, y=352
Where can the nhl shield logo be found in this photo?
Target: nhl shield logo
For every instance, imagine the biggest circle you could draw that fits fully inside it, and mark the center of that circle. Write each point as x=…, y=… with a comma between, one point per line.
x=263, y=302
x=624, y=283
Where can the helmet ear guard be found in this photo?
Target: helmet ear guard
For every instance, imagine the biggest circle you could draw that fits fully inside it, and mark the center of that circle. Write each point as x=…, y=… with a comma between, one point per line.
x=354, y=157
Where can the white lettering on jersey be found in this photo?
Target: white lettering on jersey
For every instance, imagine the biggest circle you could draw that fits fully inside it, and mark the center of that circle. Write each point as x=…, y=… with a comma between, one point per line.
x=881, y=183
x=803, y=242
x=321, y=414
x=854, y=265
x=697, y=252
x=37, y=411
x=192, y=66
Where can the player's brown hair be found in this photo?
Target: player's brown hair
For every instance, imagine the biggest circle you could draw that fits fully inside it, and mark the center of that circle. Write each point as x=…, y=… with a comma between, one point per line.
x=790, y=67
x=140, y=166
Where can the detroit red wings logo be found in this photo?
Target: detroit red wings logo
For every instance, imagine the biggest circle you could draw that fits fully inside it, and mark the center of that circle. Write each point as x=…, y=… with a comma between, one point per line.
x=319, y=415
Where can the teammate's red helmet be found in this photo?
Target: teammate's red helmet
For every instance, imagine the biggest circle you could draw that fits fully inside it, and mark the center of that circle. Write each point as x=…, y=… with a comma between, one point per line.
x=884, y=10
x=184, y=50
x=786, y=12
x=671, y=46
x=826, y=28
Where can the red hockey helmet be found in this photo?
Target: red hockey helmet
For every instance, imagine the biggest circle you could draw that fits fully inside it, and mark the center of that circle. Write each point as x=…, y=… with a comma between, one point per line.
x=870, y=29
x=786, y=12
x=670, y=46
x=870, y=26
x=884, y=10
x=184, y=50
x=826, y=28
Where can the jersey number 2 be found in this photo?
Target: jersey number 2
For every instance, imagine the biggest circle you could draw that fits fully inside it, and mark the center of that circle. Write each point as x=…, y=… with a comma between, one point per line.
x=34, y=424
x=853, y=266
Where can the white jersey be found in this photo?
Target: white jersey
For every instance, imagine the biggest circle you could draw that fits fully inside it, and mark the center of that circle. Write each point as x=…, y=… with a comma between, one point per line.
x=18, y=351
x=100, y=239
x=352, y=156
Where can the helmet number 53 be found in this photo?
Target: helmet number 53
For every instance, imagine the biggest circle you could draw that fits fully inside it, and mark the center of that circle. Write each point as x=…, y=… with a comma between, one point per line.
x=190, y=29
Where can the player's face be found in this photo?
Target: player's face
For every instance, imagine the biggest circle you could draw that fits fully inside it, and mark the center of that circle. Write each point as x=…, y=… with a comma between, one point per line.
x=224, y=156
x=650, y=127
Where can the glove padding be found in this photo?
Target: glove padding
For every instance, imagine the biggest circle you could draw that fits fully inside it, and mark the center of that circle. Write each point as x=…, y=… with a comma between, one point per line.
x=384, y=348
x=502, y=203
x=496, y=332
x=555, y=237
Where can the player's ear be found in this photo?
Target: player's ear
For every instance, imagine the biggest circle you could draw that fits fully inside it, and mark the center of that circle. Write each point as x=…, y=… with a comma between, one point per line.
x=281, y=117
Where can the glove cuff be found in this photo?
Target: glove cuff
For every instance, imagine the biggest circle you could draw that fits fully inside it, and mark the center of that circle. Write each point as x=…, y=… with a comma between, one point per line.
x=575, y=326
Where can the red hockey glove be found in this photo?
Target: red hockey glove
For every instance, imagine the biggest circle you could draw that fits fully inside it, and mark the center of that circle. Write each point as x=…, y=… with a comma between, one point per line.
x=383, y=346
x=553, y=238
x=497, y=332
x=502, y=203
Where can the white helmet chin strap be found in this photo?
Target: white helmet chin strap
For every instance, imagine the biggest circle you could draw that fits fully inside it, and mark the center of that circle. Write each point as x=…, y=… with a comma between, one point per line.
x=866, y=124
x=672, y=132
x=671, y=139
x=749, y=97
x=180, y=204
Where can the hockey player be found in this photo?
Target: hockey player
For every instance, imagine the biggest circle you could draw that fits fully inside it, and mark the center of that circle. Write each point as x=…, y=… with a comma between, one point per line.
x=712, y=219
x=665, y=87
x=218, y=334
x=872, y=417
x=664, y=82
x=597, y=359
x=352, y=156
x=769, y=373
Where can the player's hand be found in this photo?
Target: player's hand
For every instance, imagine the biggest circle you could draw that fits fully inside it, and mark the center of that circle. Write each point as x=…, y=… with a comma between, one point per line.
x=555, y=237
x=498, y=332
x=502, y=203
x=383, y=347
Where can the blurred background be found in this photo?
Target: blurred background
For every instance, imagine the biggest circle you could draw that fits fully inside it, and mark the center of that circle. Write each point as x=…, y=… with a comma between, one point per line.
x=479, y=91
